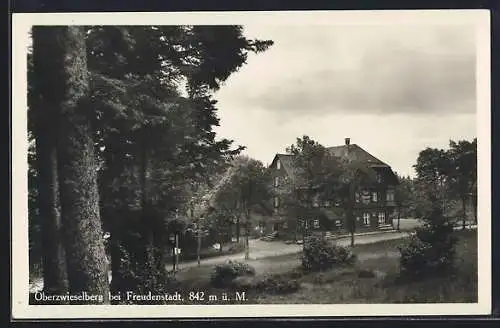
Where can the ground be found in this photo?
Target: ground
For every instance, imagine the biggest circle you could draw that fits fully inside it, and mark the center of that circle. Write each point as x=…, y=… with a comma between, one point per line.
x=344, y=285
x=262, y=250
x=376, y=254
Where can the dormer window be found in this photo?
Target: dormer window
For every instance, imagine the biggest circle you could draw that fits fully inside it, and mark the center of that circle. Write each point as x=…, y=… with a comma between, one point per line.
x=379, y=178
x=278, y=164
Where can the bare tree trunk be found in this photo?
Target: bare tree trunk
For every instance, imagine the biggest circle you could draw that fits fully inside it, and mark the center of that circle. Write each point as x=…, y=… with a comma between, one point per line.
x=247, y=232
x=464, y=212
x=399, y=219
x=54, y=262
x=304, y=233
x=352, y=233
x=77, y=165
x=53, y=257
x=176, y=251
x=144, y=198
x=474, y=204
x=238, y=229
x=116, y=259
x=198, y=243
x=352, y=222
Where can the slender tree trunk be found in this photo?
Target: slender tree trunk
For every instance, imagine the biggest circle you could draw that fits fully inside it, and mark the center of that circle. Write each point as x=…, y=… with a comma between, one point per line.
x=247, y=231
x=352, y=231
x=399, y=219
x=464, y=212
x=54, y=262
x=238, y=229
x=304, y=231
x=198, y=240
x=352, y=222
x=117, y=285
x=150, y=264
x=474, y=205
x=115, y=217
x=77, y=166
x=53, y=253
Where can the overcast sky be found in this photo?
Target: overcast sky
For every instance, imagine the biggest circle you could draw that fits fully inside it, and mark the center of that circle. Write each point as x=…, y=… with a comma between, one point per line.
x=394, y=90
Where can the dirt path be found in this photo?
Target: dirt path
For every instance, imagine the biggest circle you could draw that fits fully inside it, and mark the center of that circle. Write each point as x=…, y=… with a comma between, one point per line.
x=262, y=250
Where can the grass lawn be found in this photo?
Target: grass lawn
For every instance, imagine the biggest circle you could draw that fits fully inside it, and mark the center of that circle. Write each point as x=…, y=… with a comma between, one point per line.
x=344, y=285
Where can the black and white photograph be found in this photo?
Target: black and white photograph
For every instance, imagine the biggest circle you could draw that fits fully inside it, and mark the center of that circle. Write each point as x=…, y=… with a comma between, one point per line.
x=251, y=164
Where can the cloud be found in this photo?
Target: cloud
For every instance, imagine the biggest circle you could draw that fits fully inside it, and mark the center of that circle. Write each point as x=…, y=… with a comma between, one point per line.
x=377, y=70
x=332, y=82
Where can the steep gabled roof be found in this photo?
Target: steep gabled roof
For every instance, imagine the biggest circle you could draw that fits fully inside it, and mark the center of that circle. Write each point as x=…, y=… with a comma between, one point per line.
x=352, y=152
x=357, y=154
x=287, y=161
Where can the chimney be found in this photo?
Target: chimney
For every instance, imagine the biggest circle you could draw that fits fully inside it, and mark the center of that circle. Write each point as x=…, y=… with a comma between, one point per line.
x=347, y=150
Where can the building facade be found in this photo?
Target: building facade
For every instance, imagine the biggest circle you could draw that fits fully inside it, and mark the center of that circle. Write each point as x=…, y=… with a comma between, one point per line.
x=374, y=205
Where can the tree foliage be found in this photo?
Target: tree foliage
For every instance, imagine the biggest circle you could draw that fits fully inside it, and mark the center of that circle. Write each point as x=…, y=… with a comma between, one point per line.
x=452, y=172
x=442, y=175
x=151, y=108
x=431, y=250
x=321, y=176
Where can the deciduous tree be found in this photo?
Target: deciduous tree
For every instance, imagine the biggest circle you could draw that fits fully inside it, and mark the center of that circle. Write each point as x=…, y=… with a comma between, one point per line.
x=247, y=186
x=463, y=155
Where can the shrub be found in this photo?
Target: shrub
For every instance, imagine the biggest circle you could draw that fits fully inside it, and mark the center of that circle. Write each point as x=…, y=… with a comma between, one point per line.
x=296, y=273
x=224, y=274
x=276, y=284
x=430, y=252
x=245, y=283
x=321, y=255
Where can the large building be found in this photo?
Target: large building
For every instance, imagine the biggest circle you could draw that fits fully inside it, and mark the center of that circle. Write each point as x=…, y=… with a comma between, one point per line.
x=374, y=206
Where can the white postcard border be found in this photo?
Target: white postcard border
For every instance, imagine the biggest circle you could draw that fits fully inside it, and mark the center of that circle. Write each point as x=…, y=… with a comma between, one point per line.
x=21, y=23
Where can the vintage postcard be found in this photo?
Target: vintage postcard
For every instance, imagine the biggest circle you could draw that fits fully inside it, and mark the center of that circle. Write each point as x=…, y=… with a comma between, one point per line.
x=251, y=164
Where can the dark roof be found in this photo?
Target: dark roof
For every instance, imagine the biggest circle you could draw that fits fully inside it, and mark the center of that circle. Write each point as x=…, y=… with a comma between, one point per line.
x=357, y=154
x=352, y=152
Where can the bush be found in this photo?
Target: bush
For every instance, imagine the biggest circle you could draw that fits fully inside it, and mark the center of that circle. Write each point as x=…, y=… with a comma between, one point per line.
x=277, y=284
x=296, y=273
x=321, y=255
x=224, y=274
x=430, y=252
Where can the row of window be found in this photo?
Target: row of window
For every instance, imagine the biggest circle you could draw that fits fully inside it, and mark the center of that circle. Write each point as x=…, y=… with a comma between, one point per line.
x=373, y=197
x=365, y=218
x=365, y=197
